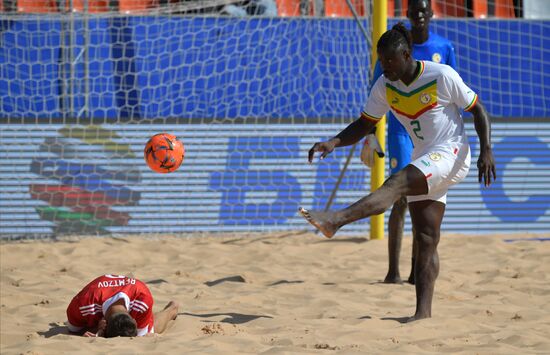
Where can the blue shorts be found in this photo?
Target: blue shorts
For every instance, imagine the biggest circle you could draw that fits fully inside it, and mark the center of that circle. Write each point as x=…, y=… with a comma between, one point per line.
x=400, y=148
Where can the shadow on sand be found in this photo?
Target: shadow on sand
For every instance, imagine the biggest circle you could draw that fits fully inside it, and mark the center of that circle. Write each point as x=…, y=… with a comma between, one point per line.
x=232, y=318
x=55, y=329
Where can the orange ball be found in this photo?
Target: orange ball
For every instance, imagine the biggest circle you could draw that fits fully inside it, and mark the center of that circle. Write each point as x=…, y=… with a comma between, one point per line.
x=164, y=153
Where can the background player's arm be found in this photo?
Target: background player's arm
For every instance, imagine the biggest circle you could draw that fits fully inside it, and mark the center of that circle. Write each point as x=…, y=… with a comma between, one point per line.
x=485, y=162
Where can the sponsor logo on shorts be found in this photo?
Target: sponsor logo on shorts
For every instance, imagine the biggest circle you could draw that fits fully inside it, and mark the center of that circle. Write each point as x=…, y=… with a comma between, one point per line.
x=436, y=57
x=425, y=162
x=435, y=156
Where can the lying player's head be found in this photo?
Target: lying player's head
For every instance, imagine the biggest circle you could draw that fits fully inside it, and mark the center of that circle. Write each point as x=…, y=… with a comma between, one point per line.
x=121, y=325
x=420, y=13
x=395, y=52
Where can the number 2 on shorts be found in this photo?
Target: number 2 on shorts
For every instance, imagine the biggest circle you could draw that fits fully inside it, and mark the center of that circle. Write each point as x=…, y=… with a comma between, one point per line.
x=416, y=129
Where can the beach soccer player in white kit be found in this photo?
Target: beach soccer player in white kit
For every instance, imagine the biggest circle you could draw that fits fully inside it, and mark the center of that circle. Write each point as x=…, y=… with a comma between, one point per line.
x=426, y=98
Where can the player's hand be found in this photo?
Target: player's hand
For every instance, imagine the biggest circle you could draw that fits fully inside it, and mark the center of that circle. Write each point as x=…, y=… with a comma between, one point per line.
x=371, y=147
x=324, y=147
x=102, y=325
x=486, y=167
x=89, y=334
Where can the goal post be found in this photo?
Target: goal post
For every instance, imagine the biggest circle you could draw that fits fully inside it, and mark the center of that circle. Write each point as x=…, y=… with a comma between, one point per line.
x=379, y=26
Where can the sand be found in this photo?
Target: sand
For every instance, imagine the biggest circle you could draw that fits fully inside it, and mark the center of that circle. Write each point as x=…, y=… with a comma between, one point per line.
x=284, y=293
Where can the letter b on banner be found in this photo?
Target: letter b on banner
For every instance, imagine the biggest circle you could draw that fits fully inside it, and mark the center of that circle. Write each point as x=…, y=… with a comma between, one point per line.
x=265, y=194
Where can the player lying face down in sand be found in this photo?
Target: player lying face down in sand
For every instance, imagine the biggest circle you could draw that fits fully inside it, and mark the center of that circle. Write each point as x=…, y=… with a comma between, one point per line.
x=115, y=305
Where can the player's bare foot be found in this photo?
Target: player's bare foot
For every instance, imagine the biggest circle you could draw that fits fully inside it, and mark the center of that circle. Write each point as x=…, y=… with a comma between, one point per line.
x=417, y=317
x=393, y=279
x=321, y=221
x=172, y=307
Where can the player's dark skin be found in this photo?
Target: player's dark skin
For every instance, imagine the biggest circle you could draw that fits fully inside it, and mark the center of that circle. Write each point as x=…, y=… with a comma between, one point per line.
x=426, y=216
x=419, y=14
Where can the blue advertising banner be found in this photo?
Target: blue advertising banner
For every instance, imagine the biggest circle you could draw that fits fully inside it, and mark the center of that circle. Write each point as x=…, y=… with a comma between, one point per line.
x=58, y=179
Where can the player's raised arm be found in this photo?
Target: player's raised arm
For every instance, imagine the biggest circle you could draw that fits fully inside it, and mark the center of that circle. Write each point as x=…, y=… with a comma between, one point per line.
x=485, y=162
x=350, y=135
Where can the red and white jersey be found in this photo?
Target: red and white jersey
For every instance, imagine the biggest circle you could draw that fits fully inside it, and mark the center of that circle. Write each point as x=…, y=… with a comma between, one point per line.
x=89, y=305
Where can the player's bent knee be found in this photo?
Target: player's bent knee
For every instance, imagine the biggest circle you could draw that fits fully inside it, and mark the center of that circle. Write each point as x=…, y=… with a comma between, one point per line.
x=401, y=203
x=426, y=239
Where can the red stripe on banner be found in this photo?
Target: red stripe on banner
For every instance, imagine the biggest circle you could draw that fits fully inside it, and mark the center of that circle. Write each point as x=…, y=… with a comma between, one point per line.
x=82, y=201
x=69, y=196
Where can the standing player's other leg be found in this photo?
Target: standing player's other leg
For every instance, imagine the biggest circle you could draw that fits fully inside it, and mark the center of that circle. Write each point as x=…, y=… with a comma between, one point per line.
x=162, y=318
x=426, y=217
x=413, y=257
x=400, y=149
x=396, y=224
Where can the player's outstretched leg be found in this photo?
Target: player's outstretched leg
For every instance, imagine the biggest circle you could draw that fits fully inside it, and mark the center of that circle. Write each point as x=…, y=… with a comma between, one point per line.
x=170, y=312
x=377, y=202
x=409, y=180
x=323, y=221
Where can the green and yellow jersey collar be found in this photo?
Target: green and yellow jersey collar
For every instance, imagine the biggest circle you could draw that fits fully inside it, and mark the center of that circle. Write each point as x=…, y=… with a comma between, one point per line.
x=420, y=72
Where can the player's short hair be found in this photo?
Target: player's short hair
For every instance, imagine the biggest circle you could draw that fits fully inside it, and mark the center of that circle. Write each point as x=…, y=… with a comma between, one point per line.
x=121, y=325
x=398, y=36
x=414, y=2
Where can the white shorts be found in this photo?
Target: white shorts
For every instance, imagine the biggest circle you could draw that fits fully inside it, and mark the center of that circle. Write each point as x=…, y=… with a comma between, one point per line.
x=443, y=166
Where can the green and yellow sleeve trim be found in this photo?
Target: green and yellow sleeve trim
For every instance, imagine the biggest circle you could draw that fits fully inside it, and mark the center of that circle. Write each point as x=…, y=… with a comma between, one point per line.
x=368, y=117
x=472, y=104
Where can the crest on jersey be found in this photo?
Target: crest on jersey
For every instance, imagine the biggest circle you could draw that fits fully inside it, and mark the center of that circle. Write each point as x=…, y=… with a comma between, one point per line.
x=425, y=98
x=435, y=156
x=393, y=163
x=436, y=57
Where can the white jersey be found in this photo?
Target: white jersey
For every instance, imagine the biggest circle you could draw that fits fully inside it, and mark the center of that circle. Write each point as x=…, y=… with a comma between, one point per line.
x=428, y=108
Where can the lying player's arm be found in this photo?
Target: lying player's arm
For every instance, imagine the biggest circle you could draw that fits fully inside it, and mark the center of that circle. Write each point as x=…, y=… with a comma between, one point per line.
x=485, y=162
x=97, y=331
x=350, y=135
